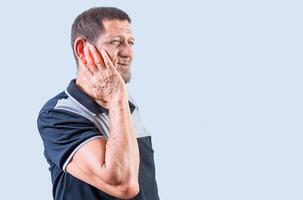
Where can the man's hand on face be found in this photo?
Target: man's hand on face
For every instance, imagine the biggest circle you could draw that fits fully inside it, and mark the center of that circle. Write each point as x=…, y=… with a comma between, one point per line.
x=101, y=76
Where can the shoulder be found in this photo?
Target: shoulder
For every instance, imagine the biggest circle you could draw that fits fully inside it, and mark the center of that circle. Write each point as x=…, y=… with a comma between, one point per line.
x=61, y=111
x=50, y=104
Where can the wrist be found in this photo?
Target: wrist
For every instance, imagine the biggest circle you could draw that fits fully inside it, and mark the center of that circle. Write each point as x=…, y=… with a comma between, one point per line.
x=118, y=101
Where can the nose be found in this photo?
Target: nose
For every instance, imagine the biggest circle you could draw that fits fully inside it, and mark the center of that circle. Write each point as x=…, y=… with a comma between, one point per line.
x=126, y=50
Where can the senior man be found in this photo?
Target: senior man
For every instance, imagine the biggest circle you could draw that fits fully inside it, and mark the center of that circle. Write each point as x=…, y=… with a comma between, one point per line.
x=93, y=137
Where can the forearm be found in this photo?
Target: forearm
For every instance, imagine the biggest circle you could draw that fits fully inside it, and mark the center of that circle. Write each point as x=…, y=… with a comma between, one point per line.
x=122, y=152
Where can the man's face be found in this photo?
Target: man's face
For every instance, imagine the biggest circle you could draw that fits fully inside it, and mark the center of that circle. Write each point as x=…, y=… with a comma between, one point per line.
x=117, y=40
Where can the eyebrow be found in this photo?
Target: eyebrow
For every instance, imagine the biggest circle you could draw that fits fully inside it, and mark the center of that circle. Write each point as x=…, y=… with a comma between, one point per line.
x=119, y=36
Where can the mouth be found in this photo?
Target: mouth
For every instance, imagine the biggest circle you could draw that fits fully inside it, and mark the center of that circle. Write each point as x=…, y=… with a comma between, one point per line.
x=124, y=64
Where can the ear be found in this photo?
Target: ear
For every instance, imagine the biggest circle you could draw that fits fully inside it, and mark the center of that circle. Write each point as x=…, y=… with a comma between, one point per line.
x=79, y=45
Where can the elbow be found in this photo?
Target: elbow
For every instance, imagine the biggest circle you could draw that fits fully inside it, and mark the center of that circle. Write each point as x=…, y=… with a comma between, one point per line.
x=124, y=183
x=124, y=188
x=128, y=191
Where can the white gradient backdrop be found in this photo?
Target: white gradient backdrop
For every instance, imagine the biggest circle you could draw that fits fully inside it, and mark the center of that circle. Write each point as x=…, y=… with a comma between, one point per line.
x=219, y=85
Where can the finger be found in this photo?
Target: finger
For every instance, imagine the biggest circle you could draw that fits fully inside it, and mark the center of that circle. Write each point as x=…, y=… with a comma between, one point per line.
x=107, y=61
x=86, y=68
x=88, y=73
x=90, y=61
x=97, y=57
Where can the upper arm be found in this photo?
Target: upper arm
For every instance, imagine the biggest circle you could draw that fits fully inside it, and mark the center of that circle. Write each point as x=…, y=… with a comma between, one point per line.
x=75, y=145
x=87, y=165
x=88, y=160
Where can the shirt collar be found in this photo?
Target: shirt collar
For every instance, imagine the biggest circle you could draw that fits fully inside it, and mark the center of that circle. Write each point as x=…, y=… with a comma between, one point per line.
x=87, y=101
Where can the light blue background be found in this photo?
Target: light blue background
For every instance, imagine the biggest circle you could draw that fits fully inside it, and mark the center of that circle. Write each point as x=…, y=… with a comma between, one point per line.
x=219, y=85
